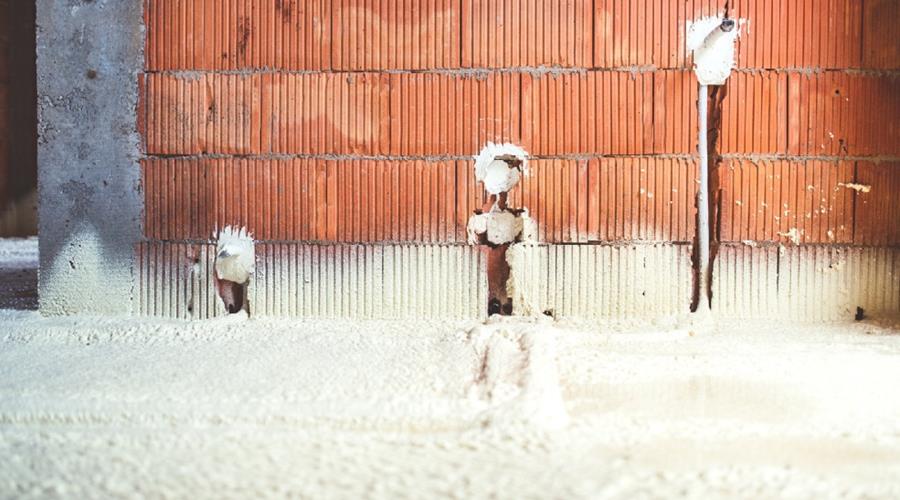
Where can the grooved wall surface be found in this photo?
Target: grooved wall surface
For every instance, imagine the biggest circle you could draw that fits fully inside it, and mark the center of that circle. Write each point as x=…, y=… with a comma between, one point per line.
x=819, y=114
x=808, y=283
x=356, y=121
x=606, y=281
x=326, y=281
x=644, y=199
x=355, y=35
x=844, y=202
x=596, y=112
x=419, y=114
x=329, y=115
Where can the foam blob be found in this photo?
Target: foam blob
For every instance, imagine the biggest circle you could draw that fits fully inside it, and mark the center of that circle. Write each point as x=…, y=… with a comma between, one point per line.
x=235, y=255
x=495, y=166
x=713, y=49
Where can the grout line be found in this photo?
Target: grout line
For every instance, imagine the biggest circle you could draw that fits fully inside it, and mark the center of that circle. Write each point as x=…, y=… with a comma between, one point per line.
x=584, y=156
x=779, y=244
x=417, y=243
x=603, y=243
x=533, y=70
x=799, y=158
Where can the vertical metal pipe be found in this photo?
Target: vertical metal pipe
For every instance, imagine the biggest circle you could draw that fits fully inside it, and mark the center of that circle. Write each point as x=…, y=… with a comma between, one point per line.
x=703, y=201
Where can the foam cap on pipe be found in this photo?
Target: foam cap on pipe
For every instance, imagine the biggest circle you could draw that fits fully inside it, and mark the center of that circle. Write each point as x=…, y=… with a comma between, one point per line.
x=712, y=40
x=235, y=255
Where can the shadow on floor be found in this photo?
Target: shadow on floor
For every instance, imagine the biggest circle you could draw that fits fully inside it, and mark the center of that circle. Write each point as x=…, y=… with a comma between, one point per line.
x=18, y=274
x=18, y=289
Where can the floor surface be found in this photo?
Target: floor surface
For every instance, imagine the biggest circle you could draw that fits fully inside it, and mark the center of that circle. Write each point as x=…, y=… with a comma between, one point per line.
x=518, y=408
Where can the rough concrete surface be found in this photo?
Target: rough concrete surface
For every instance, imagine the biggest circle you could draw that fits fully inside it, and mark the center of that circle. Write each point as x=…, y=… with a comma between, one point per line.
x=89, y=55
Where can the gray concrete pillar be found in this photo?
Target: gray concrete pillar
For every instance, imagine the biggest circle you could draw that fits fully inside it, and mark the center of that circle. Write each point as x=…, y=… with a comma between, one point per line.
x=89, y=55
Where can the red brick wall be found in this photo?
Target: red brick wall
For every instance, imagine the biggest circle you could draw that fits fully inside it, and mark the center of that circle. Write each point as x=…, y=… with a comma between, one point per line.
x=353, y=120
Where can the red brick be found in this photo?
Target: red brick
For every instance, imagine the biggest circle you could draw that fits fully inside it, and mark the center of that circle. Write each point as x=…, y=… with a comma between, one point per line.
x=877, y=203
x=626, y=199
x=766, y=200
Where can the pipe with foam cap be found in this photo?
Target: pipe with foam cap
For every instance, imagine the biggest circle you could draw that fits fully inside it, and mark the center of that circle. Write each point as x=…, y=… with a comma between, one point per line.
x=712, y=41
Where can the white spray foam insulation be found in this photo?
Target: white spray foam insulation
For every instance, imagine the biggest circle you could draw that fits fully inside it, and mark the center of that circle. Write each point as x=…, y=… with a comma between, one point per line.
x=379, y=409
x=516, y=375
x=713, y=48
x=811, y=283
x=859, y=188
x=497, y=175
x=235, y=256
x=523, y=285
x=529, y=228
x=499, y=227
x=502, y=227
x=600, y=281
x=476, y=226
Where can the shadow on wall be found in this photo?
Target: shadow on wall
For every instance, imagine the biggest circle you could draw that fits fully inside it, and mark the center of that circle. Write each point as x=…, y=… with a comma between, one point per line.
x=18, y=120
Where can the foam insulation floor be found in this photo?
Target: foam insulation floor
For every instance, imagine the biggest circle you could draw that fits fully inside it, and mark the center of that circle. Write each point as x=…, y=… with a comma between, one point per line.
x=115, y=408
